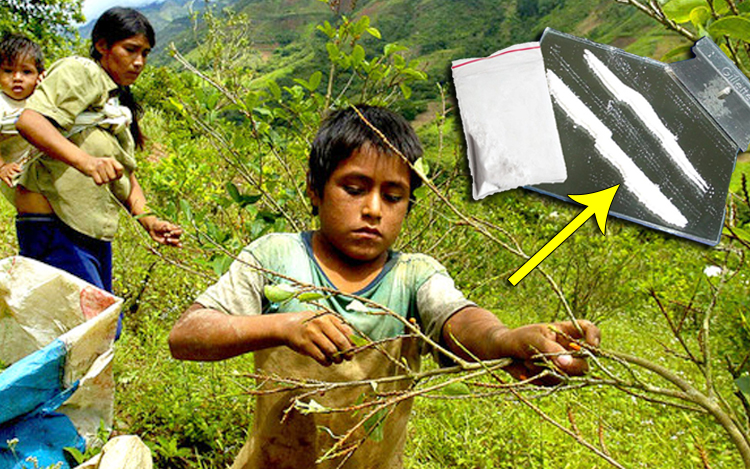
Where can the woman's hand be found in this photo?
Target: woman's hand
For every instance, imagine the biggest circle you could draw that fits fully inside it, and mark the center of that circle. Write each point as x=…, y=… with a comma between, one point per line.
x=8, y=172
x=323, y=337
x=101, y=170
x=161, y=231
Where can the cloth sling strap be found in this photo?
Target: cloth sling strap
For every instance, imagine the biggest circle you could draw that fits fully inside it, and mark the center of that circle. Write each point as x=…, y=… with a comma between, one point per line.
x=113, y=117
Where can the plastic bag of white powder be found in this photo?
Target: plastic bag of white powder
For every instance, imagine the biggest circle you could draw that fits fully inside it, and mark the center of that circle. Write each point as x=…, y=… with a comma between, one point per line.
x=508, y=121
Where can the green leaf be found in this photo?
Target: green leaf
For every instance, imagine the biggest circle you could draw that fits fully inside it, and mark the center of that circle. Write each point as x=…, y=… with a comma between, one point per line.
x=721, y=7
x=374, y=32
x=422, y=168
x=221, y=264
x=700, y=16
x=185, y=207
x=234, y=193
x=374, y=425
x=679, y=10
x=405, y=90
x=333, y=51
x=176, y=104
x=421, y=192
x=310, y=296
x=678, y=53
x=279, y=293
x=743, y=384
x=456, y=389
x=742, y=233
x=358, y=55
x=315, y=79
x=274, y=89
x=392, y=48
x=735, y=27
x=327, y=29
x=75, y=453
x=399, y=61
x=358, y=341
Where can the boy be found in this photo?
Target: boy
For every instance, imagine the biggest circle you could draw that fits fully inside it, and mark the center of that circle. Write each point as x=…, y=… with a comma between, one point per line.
x=21, y=67
x=361, y=191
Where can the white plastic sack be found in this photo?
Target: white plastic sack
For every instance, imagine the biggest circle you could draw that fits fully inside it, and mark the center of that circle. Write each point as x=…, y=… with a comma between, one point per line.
x=56, y=333
x=508, y=120
x=122, y=452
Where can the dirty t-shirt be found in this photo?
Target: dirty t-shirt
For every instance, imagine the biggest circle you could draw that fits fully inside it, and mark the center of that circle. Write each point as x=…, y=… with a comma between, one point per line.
x=75, y=85
x=12, y=146
x=412, y=285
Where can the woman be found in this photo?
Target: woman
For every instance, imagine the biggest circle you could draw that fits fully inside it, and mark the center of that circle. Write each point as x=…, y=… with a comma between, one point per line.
x=68, y=199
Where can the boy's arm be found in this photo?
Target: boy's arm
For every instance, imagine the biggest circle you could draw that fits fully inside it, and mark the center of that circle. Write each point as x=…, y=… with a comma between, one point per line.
x=40, y=132
x=482, y=333
x=207, y=335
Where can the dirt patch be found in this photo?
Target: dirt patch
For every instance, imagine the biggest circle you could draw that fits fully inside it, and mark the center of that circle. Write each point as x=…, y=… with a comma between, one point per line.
x=623, y=42
x=266, y=50
x=667, y=44
x=588, y=24
x=156, y=152
x=427, y=116
x=744, y=157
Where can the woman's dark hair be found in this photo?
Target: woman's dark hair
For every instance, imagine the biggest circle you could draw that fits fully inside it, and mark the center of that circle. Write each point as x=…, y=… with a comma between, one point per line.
x=344, y=132
x=15, y=47
x=117, y=24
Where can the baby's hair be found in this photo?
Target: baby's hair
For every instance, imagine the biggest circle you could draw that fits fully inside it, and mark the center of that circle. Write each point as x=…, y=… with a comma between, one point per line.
x=14, y=47
x=118, y=24
x=344, y=132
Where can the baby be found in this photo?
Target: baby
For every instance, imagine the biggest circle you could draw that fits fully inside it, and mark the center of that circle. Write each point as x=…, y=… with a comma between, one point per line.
x=21, y=67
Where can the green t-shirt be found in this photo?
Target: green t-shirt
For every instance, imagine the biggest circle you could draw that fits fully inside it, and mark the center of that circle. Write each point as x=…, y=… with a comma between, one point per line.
x=411, y=285
x=75, y=85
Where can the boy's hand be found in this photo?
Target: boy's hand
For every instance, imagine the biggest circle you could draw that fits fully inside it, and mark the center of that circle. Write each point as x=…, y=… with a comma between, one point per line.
x=526, y=344
x=8, y=172
x=324, y=338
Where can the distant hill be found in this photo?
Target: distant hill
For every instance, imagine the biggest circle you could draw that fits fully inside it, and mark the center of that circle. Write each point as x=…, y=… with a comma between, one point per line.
x=282, y=32
x=433, y=28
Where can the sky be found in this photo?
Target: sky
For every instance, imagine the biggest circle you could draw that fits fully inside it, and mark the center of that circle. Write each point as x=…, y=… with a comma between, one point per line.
x=93, y=8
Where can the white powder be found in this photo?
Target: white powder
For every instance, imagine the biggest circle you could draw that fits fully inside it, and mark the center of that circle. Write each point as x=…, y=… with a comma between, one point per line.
x=646, y=113
x=634, y=180
x=508, y=120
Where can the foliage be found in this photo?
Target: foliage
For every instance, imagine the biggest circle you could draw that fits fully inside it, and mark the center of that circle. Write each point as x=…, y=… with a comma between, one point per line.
x=227, y=160
x=726, y=22
x=252, y=135
x=52, y=23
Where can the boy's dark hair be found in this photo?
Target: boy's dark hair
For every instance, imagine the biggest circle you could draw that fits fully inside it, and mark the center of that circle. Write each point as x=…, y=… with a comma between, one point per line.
x=344, y=132
x=15, y=46
x=117, y=24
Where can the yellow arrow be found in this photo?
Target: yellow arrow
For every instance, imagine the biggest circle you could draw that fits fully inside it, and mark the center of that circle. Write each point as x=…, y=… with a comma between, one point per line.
x=597, y=203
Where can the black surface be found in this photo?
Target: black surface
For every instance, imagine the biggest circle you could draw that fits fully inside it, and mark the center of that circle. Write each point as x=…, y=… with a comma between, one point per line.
x=708, y=147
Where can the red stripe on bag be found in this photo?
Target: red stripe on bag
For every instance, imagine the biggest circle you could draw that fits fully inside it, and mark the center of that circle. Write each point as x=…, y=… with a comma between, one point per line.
x=493, y=56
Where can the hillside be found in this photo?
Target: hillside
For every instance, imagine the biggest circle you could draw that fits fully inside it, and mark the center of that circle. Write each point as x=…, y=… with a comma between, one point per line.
x=436, y=31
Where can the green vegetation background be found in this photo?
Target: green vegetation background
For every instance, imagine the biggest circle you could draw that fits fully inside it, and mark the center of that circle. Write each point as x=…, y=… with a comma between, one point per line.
x=197, y=415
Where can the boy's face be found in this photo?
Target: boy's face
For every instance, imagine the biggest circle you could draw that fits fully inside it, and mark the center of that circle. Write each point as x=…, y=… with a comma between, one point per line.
x=19, y=79
x=363, y=205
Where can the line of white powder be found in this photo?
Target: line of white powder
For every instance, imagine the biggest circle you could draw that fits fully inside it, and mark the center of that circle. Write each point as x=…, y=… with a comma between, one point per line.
x=634, y=179
x=644, y=111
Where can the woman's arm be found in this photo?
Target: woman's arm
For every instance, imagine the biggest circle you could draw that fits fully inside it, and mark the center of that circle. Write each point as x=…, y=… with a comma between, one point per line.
x=41, y=133
x=160, y=231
